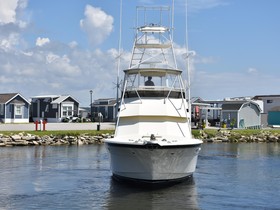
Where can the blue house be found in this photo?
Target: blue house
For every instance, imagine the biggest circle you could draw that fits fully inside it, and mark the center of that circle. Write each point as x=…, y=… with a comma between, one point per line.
x=14, y=108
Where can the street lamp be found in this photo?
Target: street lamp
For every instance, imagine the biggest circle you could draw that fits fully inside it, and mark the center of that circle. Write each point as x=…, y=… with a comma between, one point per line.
x=91, y=117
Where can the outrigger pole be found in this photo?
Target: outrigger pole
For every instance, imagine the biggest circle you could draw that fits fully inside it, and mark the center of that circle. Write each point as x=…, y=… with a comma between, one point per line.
x=188, y=59
x=119, y=61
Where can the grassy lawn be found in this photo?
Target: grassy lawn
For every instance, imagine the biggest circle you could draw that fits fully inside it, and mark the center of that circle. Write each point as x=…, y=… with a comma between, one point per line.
x=61, y=133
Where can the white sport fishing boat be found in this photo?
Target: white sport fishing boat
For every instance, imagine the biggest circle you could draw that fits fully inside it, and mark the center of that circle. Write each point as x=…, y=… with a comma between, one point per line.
x=153, y=140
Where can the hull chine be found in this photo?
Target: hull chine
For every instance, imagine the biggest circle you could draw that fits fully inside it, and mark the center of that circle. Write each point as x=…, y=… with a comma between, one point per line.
x=153, y=182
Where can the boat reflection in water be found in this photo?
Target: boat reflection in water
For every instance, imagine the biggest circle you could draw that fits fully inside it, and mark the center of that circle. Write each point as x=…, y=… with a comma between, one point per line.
x=177, y=196
x=153, y=140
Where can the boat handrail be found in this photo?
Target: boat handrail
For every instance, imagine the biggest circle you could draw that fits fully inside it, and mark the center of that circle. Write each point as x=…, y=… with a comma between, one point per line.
x=163, y=46
x=153, y=88
x=149, y=70
x=153, y=29
x=170, y=90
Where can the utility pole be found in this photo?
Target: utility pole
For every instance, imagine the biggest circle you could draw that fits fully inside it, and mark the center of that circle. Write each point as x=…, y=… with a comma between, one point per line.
x=91, y=117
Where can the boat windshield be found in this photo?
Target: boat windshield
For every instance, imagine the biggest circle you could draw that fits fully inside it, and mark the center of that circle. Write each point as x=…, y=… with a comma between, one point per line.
x=153, y=84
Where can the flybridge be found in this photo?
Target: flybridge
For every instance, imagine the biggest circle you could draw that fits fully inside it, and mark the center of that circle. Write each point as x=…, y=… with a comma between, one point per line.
x=153, y=69
x=153, y=46
x=158, y=15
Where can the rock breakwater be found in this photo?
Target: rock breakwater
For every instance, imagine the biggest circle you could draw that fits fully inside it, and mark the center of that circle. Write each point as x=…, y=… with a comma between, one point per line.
x=232, y=136
x=26, y=139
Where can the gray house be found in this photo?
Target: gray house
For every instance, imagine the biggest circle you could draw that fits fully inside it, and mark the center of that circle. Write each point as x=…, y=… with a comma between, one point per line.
x=244, y=114
x=14, y=108
x=54, y=108
x=107, y=107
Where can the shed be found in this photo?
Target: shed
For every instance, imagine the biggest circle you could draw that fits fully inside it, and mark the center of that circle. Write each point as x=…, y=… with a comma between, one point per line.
x=244, y=114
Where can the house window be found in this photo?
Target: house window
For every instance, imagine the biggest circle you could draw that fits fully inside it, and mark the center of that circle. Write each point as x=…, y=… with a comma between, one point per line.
x=67, y=111
x=269, y=101
x=18, y=110
x=47, y=108
x=1, y=109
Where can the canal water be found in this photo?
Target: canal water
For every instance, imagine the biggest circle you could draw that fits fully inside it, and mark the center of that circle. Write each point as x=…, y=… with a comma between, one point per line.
x=228, y=176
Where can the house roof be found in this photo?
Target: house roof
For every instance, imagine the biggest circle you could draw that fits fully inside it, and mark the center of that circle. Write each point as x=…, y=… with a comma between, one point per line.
x=7, y=97
x=196, y=100
x=104, y=99
x=46, y=96
x=60, y=99
x=234, y=106
x=238, y=105
x=100, y=102
x=265, y=96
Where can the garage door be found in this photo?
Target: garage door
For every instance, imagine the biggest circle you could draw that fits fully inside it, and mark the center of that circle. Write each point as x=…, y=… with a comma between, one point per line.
x=273, y=118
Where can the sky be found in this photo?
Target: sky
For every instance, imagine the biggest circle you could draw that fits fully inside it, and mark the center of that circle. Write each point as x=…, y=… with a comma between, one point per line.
x=69, y=47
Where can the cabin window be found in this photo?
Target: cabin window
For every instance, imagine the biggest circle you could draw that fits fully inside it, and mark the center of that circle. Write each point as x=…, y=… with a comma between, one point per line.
x=173, y=80
x=158, y=79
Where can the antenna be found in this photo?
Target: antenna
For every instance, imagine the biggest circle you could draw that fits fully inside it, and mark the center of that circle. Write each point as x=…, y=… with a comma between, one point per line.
x=172, y=20
x=188, y=54
x=119, y=59
x=187, y=49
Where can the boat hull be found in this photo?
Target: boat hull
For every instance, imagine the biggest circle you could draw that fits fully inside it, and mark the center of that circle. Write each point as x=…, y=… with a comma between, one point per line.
x=153, y=162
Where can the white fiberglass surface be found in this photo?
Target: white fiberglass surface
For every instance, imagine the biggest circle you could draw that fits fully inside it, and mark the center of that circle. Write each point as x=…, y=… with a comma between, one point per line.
x=145, y=126
x=155, y=107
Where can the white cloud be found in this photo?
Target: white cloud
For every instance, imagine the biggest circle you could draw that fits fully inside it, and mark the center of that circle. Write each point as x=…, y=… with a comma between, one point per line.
x=73, y=44
x=5, y=80
x=42, y=41
x=252, y=70
x=97, y=24
x=51, y=58
x=60, y=69
x=9, y=42
x=8, y=11
x=11, y=23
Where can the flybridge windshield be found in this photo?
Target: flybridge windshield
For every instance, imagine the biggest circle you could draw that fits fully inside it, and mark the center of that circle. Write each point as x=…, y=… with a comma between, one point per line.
x=153, y=80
